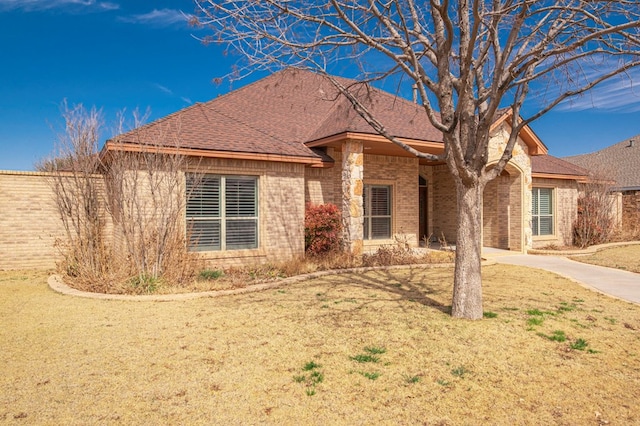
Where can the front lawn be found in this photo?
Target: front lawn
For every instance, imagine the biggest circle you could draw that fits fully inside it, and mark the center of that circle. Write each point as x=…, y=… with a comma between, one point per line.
x=372, y=348
x=626, y=258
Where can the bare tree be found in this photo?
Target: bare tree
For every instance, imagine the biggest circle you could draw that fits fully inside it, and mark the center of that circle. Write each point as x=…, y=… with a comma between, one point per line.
x=146, y=198
x=122, y=208
x=597, y=210
x=78, y=193
x=467, y=58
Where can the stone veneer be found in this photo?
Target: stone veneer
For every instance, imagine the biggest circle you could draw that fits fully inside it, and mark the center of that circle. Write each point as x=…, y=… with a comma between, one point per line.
x=352, y=190
x=631, y=211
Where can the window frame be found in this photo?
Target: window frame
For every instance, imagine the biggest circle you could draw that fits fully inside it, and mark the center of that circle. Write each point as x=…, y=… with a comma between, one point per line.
x=536, y=215
x=225, y=217
x=368, y=223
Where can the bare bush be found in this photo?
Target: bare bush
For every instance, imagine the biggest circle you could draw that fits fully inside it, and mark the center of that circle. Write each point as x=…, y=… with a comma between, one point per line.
x=595, y=223
x=139, y=193
x=78, y=193
x=146, y=197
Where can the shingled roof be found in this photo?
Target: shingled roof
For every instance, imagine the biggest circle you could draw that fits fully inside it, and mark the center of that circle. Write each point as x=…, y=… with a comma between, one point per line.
x=278, y=114
x=550, y=166
x=621, y=161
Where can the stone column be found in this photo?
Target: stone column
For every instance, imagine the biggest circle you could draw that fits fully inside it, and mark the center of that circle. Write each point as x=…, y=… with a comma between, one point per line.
x=352, y=202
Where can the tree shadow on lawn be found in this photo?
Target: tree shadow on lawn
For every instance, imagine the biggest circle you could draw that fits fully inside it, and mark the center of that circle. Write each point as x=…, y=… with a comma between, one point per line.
x=410, y=284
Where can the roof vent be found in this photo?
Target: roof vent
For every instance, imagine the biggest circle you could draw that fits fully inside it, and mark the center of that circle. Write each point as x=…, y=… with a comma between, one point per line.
x=630, y=144
x=415, y=93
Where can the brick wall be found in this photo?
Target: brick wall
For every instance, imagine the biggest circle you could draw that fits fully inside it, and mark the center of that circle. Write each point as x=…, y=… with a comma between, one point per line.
x=443, y=205
x=502, y=211
x=566, y=209
x=281, y=199
x=29, y=221
x=402, y=174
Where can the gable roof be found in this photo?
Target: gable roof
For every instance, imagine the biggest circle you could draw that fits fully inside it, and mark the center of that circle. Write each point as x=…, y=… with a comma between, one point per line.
x=548, y=166
x=273, y=118
x=620, y=161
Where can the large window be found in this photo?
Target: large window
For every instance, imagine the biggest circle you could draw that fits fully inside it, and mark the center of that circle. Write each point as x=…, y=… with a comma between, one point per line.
x=377, y=212
x=222, y=212
x=542, y=215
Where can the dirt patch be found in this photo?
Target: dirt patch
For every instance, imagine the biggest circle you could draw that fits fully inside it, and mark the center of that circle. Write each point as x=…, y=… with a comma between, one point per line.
x=548, y=352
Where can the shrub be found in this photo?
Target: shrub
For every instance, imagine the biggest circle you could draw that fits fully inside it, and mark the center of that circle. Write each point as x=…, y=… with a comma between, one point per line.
x=593, y=224
x=322, y=228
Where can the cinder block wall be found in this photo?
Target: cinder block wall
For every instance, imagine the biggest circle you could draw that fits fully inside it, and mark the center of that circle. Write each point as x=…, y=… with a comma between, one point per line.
x=29, y=221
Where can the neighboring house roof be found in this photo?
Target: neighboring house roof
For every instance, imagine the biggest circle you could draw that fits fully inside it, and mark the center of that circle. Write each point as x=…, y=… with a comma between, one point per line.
x=548, y=166
x=620, y=161
x=273, y=118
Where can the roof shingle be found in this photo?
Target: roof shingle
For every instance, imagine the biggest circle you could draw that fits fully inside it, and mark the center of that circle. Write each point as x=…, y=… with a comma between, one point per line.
x=548, y=164
x=277, y=114
x=620, y=161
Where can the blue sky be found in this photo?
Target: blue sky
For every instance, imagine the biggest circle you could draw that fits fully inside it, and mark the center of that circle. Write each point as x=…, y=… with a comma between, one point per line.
x=121, y=55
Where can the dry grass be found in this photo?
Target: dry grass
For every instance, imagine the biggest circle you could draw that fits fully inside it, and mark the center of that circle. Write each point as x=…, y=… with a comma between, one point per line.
x=235, y=277
x=242, y=359
x=626, y=258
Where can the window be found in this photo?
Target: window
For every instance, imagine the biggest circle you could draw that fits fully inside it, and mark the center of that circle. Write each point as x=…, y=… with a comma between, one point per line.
x=222, y=212
x=542, y=215
x=377, y=212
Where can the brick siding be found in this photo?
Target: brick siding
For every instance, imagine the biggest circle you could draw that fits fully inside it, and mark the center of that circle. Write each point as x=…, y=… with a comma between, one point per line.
x=566, y=209
x=29, y=221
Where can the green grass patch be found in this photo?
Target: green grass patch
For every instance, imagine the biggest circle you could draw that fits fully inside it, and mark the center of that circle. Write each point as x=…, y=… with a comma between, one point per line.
x=556, y=336
x=411, y=379
x=579, y=345
x=371, y=376
x=311, y=365
x=211, y=274
x=535, y=321
x=375, y=350
x=489, y=314
x=312, y=380
x=459, y=372
x=566, y=307
x=362, y=358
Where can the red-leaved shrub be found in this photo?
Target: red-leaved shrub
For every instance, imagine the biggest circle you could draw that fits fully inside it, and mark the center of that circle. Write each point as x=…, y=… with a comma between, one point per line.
x=322, y=229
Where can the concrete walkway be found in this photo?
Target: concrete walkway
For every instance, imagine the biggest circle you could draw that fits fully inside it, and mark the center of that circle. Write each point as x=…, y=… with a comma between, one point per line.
x=614, y=282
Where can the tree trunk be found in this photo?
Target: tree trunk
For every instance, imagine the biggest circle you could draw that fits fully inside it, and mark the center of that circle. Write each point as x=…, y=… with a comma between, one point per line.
x=467, y=284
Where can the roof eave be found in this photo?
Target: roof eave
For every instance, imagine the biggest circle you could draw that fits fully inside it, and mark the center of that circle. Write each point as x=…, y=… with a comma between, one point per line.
x=370, y=137
x=529, y=137
x=577, y=178
x=205, y=153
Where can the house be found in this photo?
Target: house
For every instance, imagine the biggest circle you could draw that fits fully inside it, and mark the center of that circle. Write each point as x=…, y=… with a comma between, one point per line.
x=289, y=139
x=622, y=162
